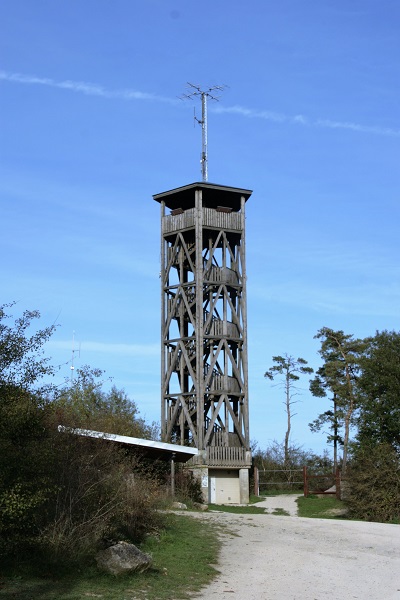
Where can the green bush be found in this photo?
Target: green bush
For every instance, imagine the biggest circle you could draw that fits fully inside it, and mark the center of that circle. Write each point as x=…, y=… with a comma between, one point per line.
x=103, y=495
x=61, y=495
x=187, y=486
x=373, y=482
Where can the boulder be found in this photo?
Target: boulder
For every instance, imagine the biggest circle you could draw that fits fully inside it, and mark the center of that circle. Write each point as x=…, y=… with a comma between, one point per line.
x=123, y=558
x=178, y=506
x=199, y=506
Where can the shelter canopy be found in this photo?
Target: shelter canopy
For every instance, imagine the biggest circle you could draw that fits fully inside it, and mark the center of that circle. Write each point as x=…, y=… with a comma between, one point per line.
x=147, y=448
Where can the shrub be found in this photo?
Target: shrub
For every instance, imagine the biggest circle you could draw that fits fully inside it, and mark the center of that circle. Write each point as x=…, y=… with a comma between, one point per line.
x=187, y=486
x=100, y=499
x=374, y=484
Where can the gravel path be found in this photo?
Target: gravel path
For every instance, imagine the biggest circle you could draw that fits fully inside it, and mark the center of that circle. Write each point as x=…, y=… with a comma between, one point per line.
x=268, y=557
x=283, y=502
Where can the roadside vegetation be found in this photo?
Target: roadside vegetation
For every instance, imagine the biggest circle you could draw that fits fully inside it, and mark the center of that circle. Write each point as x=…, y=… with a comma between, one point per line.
x=63, y=497
x=360, y=381
x=177, y=571
x=250, y=509
x=321, y=507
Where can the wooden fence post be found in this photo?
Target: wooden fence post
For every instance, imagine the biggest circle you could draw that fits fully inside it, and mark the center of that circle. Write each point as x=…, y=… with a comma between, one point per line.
x=173, y=475
x=338, y=484
x=305, y=479
x=256, y=482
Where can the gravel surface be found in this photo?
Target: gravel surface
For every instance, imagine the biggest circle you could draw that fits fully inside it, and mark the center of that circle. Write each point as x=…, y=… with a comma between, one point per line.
x=268, y=557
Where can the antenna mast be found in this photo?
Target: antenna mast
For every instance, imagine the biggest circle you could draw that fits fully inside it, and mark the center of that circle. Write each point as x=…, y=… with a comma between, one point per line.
x=72, y=367
x=195, y=91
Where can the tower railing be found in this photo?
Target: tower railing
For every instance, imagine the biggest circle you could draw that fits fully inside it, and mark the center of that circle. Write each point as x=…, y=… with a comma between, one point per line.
x=231, y=456
x=211, y=218
x=222, y=275
x=221, y=220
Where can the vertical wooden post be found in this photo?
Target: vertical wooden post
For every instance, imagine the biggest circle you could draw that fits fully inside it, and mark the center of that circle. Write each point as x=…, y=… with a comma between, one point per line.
x=243, y=302
x=173, y=474
x=305, y=480
x=256, y=482
x=199, y=330
x=163, y=349
x=338, y=483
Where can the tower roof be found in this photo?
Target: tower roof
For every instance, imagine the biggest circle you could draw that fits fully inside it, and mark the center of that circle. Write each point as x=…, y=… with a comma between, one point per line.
x=213, y=195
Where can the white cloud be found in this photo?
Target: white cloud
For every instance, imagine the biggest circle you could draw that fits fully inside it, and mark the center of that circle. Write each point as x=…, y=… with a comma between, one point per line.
x=304, y=120
x=357, y=127
x=93, y=89
x=250, y=113
x=82, y=87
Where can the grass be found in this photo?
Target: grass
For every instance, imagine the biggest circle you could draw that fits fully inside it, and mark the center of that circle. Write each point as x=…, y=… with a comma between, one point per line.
x=249, y=509
x=280, y=512
x=326, y=507
x=254, y=499
x=274, y=492
x=177, y=571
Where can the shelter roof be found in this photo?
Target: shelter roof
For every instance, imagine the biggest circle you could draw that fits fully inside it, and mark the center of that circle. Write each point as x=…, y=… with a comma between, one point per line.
x=213, y=196
x=147, y=448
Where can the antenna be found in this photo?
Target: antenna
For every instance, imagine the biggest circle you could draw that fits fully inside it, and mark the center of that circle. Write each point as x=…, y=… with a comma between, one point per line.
x=73, y=355
x=196, y=91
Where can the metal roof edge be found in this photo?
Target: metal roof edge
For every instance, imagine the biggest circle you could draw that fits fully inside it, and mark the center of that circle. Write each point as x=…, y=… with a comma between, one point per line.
x=124, y=439
x=203, y=185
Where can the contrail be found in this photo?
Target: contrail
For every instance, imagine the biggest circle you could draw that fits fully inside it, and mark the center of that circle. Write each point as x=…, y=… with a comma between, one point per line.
x=82, y=87
x=93, y=89
x=304, y=120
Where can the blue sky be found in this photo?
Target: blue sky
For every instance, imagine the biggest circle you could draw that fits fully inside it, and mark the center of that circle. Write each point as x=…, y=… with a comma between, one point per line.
x=91, y=127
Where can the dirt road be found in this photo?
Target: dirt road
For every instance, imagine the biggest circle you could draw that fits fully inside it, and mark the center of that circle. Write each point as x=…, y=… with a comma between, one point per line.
x=268, y=557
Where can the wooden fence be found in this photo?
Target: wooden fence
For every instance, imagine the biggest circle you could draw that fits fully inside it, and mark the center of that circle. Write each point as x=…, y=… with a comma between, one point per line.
x=322, y=484
x=309, y=482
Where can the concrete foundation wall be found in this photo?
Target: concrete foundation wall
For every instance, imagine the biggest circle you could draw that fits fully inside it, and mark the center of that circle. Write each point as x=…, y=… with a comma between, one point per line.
x=223, y=486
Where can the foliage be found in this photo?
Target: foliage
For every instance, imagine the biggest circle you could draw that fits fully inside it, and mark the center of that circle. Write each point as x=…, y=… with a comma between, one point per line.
x=273, y=457
x=284, y=472
x=102, y=495
x=185, y=553
x=289, y=369
x=379, y=385
x=22, y=363
x=317, y=507
x=83, y=404
x=374, y=477
x=250, y=509
x=374, y=484
x=342, y=354
x=62, y=495
x=25, y=454
x=187, y=487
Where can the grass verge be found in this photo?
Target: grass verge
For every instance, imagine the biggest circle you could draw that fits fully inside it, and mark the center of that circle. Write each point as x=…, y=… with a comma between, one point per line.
x=326, y=507
x=280, y=512
x=249, y=509
x=267, y=493
x=184, y=558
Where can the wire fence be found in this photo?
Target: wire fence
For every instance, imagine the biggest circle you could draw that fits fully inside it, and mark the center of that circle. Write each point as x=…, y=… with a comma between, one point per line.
x=297, y=480
x=267, y=480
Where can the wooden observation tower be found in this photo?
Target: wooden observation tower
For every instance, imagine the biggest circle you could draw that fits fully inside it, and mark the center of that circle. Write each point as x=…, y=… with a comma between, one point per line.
x=204, y=334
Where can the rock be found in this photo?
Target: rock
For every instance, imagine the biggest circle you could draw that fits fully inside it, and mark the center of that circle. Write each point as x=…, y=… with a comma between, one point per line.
x=178, y=506
x=123, y=558
x=199, y=506
x=331, y=489
x=336, y=512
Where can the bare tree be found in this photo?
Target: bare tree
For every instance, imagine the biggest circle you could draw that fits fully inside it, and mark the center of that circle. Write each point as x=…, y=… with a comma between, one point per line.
x=289, y=370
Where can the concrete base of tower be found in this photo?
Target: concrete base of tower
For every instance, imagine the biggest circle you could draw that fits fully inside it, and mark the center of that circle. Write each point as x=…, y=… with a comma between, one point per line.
x=244, y=484
x=223, y=486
